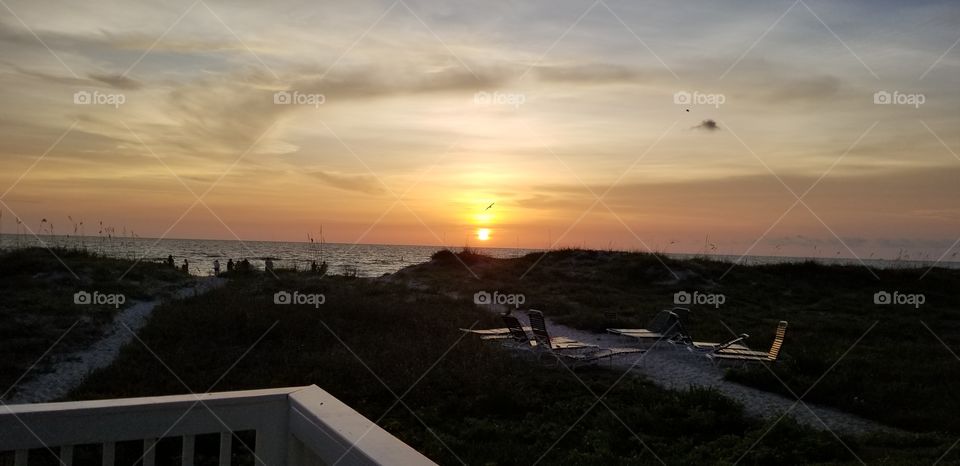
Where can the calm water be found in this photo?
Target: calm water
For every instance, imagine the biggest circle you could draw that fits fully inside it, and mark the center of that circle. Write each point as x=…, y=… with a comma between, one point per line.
x=365, y=260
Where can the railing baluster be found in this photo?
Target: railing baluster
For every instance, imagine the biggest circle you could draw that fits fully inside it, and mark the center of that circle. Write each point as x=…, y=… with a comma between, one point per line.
x=66, y=455
x=149, y=452
x=20, y=458
x=262, y=445
x=226, y=439
x=109, y=453
x=294, y=451
x=187, y=459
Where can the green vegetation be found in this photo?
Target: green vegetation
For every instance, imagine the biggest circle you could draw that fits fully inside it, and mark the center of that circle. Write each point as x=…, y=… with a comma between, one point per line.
x=37, y=305
x=473, y=402
x=900, y=373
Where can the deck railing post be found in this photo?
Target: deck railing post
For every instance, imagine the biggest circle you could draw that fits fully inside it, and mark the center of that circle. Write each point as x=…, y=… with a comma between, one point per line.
x=109, y=453
x=149, y=452
x=226, y=440
x=20, y=458
x=187, y=458
x=294, y=452
x=66, y=455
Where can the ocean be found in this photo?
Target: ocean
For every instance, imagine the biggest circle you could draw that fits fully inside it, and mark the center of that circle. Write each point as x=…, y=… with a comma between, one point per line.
x=365, y=260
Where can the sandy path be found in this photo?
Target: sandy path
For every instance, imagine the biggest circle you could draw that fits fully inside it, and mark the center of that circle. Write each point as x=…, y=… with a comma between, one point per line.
x=673, y=366
x=69, y=370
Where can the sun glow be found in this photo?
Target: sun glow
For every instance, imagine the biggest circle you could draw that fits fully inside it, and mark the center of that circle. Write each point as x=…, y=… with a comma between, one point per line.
x=484, y=217
x=483, y=234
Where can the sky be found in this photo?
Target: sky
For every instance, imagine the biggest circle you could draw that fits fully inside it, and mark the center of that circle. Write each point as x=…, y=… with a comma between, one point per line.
x=784, y=127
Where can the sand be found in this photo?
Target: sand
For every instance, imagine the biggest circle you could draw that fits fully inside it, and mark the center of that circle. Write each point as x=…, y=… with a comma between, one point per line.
x=68, y=371
x=674, y=367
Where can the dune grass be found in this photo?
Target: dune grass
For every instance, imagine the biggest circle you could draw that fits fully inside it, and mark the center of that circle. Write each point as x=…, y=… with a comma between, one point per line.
x=37, y=306
x=463, y=401
x=901, y=372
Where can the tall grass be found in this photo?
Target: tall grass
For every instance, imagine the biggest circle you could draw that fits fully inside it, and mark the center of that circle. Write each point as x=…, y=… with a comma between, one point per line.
x=37, y=307
x=899, y=374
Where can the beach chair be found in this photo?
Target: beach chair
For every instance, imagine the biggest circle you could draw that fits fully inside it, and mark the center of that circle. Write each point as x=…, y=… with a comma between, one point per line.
x=740, y=353
x=567, y=349
x=595, y=355
x=543, y=338
x=497, y=333
x=708, y=347
x=666, y=325
x=516, y=335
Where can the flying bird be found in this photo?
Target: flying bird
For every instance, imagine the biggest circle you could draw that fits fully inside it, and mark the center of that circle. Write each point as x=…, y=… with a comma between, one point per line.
x=489, y=206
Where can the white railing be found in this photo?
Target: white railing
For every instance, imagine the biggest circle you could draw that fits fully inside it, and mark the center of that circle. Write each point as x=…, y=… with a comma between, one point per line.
x=300, y=426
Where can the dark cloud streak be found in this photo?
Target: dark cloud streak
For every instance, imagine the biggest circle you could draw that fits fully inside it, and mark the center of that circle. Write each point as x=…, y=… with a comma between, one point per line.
x=707, y=125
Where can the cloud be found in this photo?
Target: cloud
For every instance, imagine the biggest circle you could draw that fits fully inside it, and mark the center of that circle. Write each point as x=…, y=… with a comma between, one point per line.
x=805, y=241
x=707, y=125
x=598, y=73
x=224, y=114
x=382, y=81
x=358, y=183
x=817, y=88
x=117, y=81
x=912, y=243
x=943, y=214
x=841, y=199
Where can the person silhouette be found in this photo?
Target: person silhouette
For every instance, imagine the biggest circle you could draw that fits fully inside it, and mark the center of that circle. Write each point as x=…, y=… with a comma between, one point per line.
x=216, y=267
x=185, y=267
x=170, y=261
x=229, y=265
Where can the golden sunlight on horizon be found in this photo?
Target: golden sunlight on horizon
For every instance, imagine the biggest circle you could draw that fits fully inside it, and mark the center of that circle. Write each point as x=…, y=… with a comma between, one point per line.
x=483, y=234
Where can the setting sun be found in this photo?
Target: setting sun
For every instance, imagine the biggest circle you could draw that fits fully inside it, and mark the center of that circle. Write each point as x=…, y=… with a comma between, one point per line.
x=483, y=234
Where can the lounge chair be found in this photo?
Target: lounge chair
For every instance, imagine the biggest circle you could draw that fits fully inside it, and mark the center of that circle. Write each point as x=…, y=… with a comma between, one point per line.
x=517, y=336
x=708, y=347
x=736, y=352
x=497, y=333
x=665, y=325
x=593, y=355
x=514, y=334
x=563, y=348
x=542, y=337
